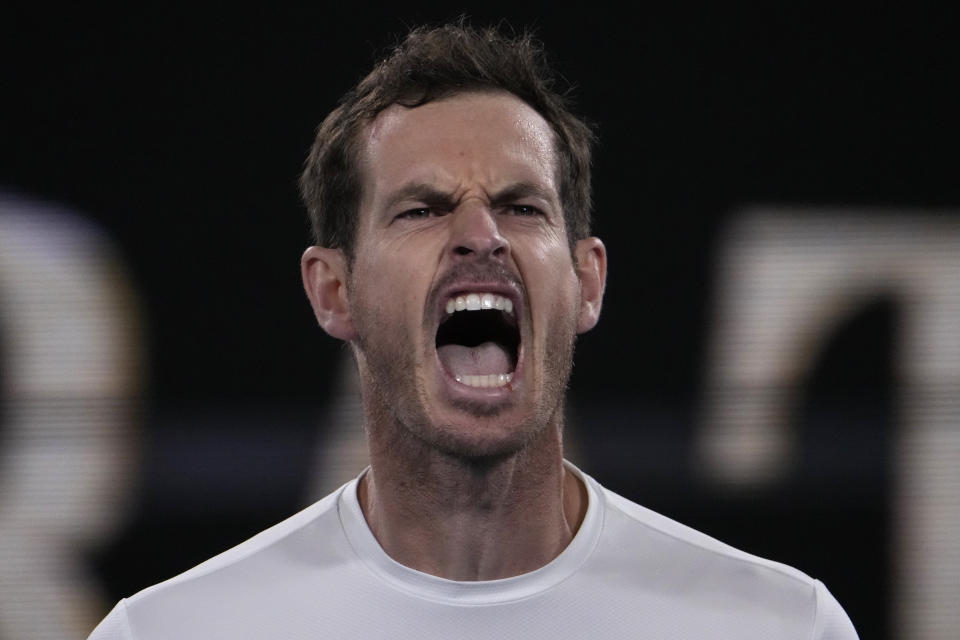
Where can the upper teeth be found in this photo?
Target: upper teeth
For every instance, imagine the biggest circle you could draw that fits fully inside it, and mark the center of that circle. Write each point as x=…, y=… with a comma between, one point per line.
x=478, y=302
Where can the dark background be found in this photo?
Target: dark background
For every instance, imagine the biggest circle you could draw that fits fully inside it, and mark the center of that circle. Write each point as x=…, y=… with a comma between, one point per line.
x=181, y=133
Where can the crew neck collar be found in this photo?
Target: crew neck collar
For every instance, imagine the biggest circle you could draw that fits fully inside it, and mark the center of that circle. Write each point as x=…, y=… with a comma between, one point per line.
x=430, y=587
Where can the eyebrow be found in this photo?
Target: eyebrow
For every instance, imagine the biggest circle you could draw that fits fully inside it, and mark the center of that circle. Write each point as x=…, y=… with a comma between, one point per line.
x=519, y=191
x=421, y=192
x=430, y=195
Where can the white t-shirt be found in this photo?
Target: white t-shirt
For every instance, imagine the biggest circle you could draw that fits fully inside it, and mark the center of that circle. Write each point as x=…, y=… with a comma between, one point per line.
x=628, y=573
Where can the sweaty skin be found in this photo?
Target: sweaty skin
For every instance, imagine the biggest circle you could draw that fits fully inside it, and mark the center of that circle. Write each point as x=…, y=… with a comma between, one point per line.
x=460, y=196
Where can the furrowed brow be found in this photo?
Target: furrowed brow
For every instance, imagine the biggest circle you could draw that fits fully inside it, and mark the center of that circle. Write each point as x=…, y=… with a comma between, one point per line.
x=420, y=192
x=519, y=191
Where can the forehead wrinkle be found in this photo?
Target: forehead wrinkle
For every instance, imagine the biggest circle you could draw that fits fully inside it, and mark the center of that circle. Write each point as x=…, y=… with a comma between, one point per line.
x=420, y=191
x=531, y=148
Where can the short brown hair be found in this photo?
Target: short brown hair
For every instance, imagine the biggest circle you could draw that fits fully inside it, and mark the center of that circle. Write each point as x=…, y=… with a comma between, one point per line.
x=431, y=64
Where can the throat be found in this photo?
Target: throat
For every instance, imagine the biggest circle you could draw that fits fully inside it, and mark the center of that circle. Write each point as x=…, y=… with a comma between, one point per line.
x=465, y=531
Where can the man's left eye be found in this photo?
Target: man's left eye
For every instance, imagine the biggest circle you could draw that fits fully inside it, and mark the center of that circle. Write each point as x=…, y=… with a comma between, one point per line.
x=524, y=210
x=419, y=212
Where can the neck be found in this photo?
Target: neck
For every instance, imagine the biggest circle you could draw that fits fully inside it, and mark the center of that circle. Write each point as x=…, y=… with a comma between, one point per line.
x=470, y=519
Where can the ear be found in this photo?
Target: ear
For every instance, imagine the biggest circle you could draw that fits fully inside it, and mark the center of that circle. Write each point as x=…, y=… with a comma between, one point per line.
x=325, y=280
x=591, y=268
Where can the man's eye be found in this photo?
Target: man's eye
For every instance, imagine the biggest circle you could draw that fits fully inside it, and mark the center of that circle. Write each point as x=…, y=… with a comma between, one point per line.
x=524, y=210
x=421, y=212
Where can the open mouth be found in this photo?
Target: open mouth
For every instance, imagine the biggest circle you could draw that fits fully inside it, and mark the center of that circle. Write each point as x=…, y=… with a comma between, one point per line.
x=478, y=340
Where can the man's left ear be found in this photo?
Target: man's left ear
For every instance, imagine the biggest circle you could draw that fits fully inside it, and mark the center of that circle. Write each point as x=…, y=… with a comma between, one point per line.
x=591, y=268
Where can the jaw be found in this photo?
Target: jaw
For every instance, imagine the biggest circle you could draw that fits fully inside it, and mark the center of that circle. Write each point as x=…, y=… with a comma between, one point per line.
x=474, y=422
x=412, y=390
x=509, y=415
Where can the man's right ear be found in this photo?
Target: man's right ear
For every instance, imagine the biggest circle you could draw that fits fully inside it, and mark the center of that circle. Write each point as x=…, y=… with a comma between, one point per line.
x=324, y=274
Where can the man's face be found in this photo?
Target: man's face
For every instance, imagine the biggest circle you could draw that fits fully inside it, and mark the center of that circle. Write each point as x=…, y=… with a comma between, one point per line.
x=463, y=294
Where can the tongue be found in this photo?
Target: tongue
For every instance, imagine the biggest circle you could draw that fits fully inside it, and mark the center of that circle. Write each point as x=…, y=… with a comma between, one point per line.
x=483, y=359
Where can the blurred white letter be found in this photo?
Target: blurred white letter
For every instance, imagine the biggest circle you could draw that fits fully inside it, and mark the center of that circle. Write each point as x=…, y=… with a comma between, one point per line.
x=785, y=280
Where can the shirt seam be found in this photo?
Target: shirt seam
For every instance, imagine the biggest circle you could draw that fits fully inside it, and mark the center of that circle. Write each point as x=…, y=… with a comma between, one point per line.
x=816, y=610
x=125, y=619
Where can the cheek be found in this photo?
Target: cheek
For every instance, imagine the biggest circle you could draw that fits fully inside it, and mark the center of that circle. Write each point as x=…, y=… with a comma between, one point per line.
x=554, y=293
x=566, y=305
x=389, y=293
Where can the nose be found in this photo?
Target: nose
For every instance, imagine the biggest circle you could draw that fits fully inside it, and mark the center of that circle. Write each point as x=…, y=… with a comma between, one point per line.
x=475, y=233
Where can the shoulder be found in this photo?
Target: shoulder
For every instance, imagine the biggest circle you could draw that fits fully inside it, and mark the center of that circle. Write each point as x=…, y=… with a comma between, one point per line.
x=241, y=579
x=254, y=551
x=658, y=531
x=832, y=621
x=115, y=626
x=696, y=572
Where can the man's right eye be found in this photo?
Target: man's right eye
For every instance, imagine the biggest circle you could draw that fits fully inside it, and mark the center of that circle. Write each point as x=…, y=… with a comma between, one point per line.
x=419, y=212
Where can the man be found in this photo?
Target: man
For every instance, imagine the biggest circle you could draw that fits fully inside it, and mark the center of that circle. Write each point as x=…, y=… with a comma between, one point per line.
x=450, y=197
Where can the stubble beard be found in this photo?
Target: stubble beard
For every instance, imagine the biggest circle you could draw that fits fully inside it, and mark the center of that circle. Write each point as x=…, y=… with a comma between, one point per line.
x=396, y=404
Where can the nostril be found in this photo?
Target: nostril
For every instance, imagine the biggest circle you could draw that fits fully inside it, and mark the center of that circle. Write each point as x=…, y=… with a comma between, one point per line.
x=462, y=250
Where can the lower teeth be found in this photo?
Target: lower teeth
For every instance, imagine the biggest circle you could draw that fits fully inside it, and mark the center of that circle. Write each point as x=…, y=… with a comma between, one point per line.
x=492, y=380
